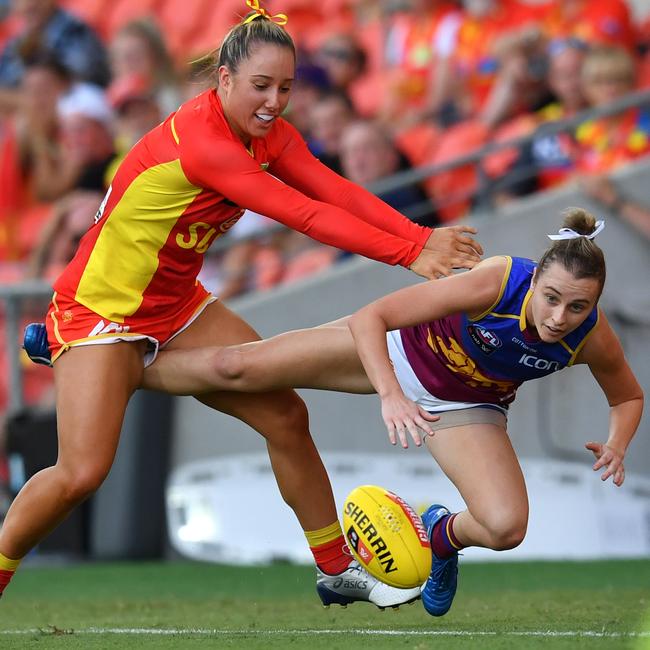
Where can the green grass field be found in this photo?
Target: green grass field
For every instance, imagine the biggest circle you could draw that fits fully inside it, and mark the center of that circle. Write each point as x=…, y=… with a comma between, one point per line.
x=189, y=605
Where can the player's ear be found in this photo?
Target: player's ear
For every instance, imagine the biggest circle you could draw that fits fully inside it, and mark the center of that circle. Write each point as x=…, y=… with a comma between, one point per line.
x=224, y=77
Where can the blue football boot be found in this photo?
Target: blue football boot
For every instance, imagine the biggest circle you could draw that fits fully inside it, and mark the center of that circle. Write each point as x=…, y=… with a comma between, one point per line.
x=36, y=345
x=440, y=588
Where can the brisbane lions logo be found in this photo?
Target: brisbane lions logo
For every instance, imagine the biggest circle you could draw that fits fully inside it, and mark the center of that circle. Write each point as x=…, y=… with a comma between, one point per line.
x=487, y=341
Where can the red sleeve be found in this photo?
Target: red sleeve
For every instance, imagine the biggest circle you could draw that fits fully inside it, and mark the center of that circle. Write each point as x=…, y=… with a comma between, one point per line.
x=224, y=166
x=297, y=166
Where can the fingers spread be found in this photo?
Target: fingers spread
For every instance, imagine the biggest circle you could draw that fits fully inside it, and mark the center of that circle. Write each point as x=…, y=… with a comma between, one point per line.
x=466, y=253
x=619, y=477
x=466, y=262
x=440, y=271
x=401, y=432
x=415, y=433
x=468, y=250
x=432, y=417
x=601, y=462
x=424, y=425
x=471, y=242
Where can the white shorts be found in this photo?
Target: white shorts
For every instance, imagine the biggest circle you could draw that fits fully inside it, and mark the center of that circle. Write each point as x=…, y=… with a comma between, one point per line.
x=415, y=391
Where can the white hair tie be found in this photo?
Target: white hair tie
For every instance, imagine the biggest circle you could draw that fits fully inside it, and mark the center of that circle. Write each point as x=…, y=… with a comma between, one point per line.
x=568, y=233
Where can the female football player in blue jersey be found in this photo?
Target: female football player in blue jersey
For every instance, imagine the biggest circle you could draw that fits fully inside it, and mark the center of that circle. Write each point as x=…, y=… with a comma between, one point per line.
x=447, y=357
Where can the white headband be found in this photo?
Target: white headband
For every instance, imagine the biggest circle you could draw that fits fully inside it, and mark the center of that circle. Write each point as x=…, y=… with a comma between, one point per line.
x=567, y=233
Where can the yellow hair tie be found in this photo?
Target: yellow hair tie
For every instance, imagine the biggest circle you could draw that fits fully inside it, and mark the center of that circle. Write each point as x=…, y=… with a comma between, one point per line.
x=278, y=19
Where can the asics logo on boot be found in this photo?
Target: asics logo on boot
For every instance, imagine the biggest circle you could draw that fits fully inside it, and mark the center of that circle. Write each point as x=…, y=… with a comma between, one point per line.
x=350, y=584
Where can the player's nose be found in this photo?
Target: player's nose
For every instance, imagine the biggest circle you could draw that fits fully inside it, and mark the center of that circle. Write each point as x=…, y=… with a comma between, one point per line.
x=272, y=101
x=559, y=315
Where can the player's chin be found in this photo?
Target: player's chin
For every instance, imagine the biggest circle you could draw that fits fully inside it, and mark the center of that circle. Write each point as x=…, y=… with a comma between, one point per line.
x=550, y=335
x=258, y=128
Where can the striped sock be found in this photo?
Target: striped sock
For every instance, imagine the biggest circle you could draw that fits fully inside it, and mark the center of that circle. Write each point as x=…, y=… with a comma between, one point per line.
x=329, y=549
x=443, y=541
x=7, y=569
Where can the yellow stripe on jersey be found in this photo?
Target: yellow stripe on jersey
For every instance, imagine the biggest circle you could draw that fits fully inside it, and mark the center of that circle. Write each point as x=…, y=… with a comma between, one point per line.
x=504, y=282
x=522, y=314
x=125, y=256
x=577, y=351
x=566, y=346
x=512, y=316
x=174, y=134
x=56, y=323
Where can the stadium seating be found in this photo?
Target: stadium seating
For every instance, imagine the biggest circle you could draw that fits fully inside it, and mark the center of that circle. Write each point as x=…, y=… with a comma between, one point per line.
x=93, y=12
x=452, y=190
x=496, y=164
x=419, y=142
x=221, y=17
x=123, y=11
x=11, y=190
x=8, y=28
x=181, y=26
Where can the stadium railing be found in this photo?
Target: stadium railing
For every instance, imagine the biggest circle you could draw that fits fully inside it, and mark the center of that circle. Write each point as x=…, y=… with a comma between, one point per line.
x=13, y=296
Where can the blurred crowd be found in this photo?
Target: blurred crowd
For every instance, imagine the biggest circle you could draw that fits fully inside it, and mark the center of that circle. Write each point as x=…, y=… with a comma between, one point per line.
x=382, y=86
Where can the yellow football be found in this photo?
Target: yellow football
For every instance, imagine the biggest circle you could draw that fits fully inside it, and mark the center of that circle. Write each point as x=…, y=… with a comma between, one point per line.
x=387, y=536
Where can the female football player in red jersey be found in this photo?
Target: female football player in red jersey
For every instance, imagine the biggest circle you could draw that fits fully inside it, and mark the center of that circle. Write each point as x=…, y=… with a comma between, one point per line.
x=132, y=288
x=447, y=357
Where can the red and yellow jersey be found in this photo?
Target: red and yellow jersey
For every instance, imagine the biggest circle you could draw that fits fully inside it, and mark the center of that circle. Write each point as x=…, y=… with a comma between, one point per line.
x=474, y=63
x=605, y=143
x=416, y=50
x=187, y=182
x=606, y=22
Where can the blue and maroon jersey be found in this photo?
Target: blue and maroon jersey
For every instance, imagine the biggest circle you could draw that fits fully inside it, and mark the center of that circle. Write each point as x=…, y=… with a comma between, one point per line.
x=485, y=359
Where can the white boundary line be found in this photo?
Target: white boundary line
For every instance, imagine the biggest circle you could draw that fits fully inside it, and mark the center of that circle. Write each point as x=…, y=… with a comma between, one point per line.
x=325, y=632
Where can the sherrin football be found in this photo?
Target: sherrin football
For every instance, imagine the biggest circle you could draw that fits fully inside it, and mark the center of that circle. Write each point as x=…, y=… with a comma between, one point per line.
x=387, y=536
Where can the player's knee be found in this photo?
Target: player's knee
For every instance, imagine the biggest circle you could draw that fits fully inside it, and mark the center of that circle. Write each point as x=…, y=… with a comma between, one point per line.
x=228, y=364
x=82, y=483
x=506, y=531
x=289, y=422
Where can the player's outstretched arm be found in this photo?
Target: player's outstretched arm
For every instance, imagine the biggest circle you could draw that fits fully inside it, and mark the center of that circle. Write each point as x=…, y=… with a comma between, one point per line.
x=444, y=248
x=604, y=356
x=473, y=292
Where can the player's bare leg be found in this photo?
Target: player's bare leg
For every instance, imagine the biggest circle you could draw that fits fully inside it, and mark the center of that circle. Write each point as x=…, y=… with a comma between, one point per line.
x=482, y=464
x=324, y=357
x=480, y=461
x=88, y=432
x=281, y=417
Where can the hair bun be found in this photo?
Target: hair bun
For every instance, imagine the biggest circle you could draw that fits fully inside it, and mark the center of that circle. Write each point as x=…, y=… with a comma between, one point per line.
x=579, y=220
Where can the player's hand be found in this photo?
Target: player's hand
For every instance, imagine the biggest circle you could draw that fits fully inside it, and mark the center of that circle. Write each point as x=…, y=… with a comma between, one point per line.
x=609, y=458
x=400, y=415
x=427, y=265
x=454, y=248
